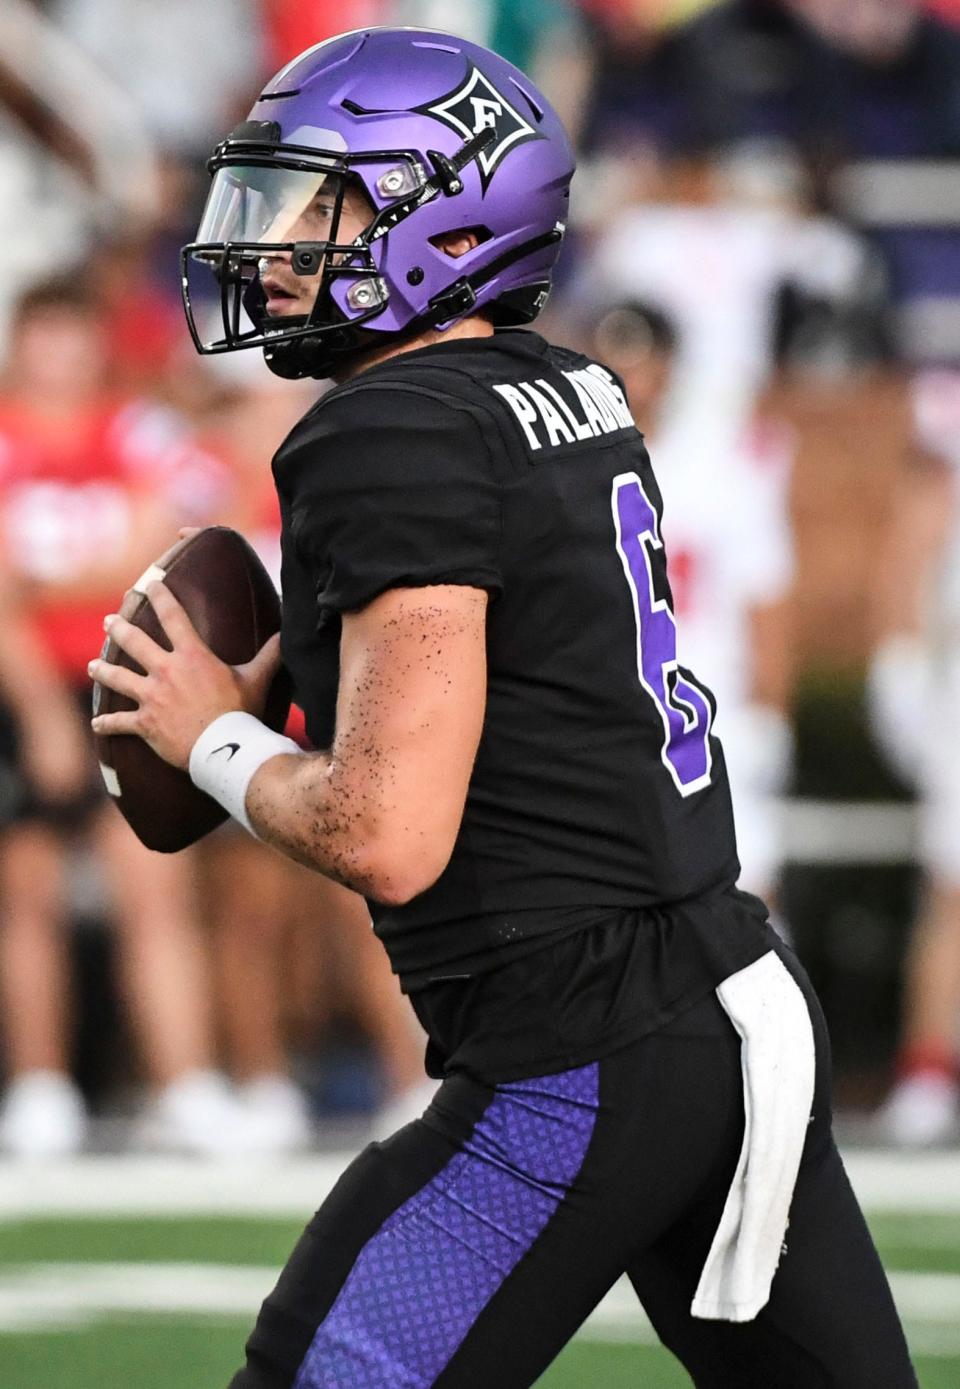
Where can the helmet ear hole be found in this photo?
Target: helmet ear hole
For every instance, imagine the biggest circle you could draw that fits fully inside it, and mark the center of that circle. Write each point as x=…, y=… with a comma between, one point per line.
x=444, y=241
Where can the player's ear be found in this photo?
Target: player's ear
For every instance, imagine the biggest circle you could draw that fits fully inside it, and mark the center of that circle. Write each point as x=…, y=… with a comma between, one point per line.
x=458, y=242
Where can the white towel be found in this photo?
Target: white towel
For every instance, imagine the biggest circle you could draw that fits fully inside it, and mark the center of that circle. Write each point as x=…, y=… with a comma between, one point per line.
x=777, y=1056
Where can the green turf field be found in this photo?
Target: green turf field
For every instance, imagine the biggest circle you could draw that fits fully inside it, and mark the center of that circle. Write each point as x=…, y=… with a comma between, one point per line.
x=97, y=1301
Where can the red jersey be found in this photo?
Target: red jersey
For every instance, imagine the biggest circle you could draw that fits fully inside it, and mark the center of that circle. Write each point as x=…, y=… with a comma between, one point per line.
x=69, y=496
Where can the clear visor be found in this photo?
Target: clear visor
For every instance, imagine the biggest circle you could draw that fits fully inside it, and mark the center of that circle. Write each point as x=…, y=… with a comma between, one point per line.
x=252, y=203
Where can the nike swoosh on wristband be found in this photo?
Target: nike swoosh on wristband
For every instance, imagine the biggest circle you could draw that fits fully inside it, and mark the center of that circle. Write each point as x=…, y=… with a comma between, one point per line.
x=233, y=747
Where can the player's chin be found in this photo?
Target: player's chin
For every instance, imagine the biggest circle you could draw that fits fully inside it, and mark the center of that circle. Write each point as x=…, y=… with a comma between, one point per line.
x=280, y=309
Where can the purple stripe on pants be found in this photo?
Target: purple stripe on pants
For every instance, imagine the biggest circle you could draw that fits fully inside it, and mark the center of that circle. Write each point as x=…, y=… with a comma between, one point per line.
x=420, y=1283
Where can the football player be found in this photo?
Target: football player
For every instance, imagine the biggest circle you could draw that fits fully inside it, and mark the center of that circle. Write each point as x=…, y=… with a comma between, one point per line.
x=520, y=776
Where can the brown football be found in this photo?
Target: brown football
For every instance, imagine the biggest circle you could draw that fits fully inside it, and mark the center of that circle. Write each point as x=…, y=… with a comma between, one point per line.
x=231, y=600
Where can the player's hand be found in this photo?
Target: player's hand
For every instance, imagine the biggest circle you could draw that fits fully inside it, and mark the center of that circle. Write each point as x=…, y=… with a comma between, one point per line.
x=183, y=690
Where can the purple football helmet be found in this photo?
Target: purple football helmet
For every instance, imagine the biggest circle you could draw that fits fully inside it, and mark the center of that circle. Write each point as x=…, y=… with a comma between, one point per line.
x=441, y=136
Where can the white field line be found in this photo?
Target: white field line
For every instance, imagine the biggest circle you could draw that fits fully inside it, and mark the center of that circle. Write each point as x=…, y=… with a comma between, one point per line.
x=142, y=1185
x=49, y=1297
x=915, y=1182
x=44, y=1296
x=136, y=1185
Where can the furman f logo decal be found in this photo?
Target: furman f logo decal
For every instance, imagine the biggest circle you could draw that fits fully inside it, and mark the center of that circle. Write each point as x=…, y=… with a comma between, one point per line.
x=477, y=106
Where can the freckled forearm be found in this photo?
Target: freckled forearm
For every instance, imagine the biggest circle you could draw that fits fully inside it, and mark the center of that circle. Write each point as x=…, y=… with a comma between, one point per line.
x=380, y=812
x=300, y=806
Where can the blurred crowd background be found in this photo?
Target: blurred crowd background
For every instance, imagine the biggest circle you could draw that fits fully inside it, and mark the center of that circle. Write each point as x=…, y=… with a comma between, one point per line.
x=765, y=244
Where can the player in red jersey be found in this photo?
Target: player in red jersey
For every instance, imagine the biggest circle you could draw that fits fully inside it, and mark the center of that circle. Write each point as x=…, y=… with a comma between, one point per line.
x=91, y=489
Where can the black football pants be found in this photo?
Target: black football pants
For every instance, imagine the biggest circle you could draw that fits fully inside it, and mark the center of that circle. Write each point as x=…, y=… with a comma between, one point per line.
x=467, y=1249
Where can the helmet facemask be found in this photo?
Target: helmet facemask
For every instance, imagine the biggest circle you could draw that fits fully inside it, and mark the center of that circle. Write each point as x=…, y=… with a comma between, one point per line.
x=277, y=209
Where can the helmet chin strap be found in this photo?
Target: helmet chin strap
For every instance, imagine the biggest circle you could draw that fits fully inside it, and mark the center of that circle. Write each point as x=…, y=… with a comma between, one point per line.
x=315, y=354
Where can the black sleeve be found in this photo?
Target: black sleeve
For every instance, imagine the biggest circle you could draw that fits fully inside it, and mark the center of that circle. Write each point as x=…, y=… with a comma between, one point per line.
x=394, y=488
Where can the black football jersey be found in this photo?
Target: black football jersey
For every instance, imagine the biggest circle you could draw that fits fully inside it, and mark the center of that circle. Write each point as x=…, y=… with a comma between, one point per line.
x=515, y=466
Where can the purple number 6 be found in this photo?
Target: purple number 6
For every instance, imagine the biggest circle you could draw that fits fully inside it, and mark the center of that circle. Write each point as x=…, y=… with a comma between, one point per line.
x=685, y=711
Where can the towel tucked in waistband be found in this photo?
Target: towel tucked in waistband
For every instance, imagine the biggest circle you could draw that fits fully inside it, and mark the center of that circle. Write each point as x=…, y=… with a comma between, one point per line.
x=770, y=1013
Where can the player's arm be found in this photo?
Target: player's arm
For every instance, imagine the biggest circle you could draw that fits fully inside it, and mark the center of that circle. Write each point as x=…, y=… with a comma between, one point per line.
x=380, y=811
x=398, y=519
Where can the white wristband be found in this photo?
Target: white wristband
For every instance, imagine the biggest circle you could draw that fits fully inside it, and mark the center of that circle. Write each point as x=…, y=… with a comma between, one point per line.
x=228, y=753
